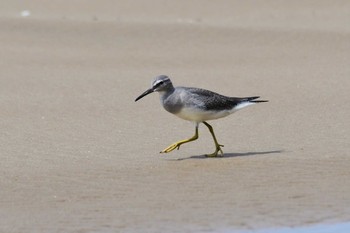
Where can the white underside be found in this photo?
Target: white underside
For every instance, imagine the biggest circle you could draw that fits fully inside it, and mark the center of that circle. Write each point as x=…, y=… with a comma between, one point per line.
x=243, y=105
x=198, y=115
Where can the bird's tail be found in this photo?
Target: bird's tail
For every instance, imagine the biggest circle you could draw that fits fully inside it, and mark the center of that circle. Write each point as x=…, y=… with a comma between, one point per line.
x=247, y=101
x=253, y=99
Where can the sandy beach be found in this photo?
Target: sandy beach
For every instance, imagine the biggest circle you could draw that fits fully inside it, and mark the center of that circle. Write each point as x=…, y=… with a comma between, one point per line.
x=79, y=155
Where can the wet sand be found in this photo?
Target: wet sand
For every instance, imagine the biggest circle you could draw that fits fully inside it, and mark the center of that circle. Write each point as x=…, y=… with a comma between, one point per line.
x=79, y=155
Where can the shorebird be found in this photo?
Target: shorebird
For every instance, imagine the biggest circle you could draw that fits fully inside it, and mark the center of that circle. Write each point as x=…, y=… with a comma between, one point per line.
x=196, y=105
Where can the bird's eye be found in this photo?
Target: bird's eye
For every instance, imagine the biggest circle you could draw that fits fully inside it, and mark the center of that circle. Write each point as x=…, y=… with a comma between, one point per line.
x=158, y=84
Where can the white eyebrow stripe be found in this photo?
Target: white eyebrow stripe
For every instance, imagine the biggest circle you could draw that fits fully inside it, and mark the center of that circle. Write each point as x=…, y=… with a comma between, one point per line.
x=161, y=80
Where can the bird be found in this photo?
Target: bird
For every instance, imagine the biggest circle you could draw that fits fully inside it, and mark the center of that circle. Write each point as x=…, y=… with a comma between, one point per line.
x=196, y=105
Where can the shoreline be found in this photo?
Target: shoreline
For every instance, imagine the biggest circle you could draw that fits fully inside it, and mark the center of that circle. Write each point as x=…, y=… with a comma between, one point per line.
x=78, y=154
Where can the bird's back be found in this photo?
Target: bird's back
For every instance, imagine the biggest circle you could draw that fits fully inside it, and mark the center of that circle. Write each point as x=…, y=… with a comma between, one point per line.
x=208, y=100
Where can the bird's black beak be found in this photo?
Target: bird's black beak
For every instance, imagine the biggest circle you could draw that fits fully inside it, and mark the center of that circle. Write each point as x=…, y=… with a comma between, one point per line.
x=149, y=91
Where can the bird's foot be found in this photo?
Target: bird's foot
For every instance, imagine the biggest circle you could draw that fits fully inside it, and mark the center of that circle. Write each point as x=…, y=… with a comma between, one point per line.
x=172, y=147
x=177, y=145
x=215, y=154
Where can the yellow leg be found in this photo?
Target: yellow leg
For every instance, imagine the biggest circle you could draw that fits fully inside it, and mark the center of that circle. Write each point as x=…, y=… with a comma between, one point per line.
x=217, y=145
x=179, y=143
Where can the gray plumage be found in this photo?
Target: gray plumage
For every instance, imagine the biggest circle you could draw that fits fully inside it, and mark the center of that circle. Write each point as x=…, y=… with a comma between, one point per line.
x=196, y=104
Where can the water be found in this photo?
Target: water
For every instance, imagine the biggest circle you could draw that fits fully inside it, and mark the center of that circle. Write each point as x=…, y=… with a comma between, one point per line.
x=318, y=228
x=321, y=228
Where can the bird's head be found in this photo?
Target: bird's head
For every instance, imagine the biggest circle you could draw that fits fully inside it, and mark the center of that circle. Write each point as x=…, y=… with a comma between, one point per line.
x=162, y=83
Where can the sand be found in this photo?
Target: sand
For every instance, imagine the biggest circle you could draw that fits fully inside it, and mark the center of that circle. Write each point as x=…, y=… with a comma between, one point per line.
x=79, y=155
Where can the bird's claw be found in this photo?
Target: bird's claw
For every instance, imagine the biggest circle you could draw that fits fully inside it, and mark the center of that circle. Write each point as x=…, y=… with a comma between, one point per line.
x=215, y=154
x=171, y=148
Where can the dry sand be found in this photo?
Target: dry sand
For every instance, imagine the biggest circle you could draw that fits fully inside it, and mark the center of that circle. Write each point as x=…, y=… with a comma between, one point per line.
x=79, y=155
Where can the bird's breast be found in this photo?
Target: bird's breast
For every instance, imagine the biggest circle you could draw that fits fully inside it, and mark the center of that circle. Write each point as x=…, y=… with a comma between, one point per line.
x=171, y=103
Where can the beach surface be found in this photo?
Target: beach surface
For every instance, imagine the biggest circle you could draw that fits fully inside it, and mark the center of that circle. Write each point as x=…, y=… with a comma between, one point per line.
x=79, y=155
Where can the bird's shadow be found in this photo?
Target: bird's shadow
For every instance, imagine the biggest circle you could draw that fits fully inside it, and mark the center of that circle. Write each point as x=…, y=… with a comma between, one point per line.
x=232, y=155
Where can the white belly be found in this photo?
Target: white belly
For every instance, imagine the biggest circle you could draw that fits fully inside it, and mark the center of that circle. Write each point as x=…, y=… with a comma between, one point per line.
x=199, y=115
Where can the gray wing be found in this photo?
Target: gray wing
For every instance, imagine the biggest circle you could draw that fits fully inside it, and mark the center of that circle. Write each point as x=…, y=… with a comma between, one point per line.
x=211, y=101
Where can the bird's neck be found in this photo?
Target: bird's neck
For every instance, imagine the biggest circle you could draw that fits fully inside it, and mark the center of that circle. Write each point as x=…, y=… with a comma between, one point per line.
x=166, y=93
